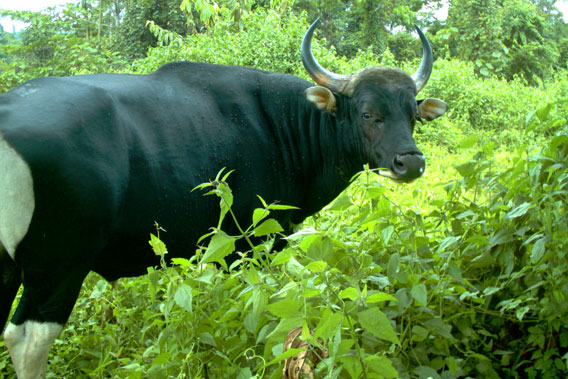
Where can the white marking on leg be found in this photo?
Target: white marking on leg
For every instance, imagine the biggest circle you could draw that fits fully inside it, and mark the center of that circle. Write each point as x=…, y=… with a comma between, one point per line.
x=16, y=197
x=29, y=345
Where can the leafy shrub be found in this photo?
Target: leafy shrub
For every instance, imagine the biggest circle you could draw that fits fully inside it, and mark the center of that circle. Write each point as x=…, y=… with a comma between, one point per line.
x=481, y=276
x=485, y=104
x=511, y=238
x=55, y=45
x=268, y=41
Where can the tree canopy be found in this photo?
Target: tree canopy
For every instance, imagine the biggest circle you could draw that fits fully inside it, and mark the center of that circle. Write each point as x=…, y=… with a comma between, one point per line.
x=507, y=38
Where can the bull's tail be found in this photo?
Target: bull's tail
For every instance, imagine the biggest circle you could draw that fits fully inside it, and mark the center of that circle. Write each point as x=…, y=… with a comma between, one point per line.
x=10, y=280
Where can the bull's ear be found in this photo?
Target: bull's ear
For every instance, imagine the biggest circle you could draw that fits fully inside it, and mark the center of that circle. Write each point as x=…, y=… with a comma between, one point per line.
x=322, y=98
x=430, y=109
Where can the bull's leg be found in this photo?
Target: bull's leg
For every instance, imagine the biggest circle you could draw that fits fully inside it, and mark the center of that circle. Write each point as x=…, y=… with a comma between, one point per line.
x=46, y=303
x=29, y=345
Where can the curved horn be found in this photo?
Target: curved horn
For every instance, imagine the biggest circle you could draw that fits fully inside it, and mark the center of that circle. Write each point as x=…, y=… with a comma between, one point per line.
x=422, y=75
x=319, y=74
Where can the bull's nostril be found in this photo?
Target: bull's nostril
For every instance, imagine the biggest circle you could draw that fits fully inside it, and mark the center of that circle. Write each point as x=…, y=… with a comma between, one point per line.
x=398, y=165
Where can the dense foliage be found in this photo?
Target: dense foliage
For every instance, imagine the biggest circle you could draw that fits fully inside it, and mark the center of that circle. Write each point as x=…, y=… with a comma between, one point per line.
x=461, y=274
x=508, y=38
x=513, y=38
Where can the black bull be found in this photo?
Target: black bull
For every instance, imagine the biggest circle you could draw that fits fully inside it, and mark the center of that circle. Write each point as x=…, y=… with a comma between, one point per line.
x=88, y=163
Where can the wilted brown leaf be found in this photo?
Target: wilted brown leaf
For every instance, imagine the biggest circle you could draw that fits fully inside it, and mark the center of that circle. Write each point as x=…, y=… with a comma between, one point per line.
x=303, y=364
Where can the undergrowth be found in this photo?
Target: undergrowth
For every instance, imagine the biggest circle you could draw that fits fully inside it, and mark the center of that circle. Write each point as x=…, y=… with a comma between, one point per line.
x=467, y=279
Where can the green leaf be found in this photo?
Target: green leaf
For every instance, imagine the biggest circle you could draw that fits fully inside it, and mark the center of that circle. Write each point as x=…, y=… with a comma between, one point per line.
x=437, y=326
x=538, y=250
x=543, y=112
x=452, y=365
x=328, y=324
x=252, y=275
x=386, y=233
x=500, y=237
x=158, y=246
x=284, y=308
x=467, y=169
x=306, y=331
x=519, y=210
x=183, y=297
x=284, y=326
x=425, y=372
x=352, y=365
x=317, y=266
x=419, y=333
x=322, y=249
x=382, y=366
x=479, y=356
x=529, y=118
x=470, y=141
x=282, y=257
x=310, y=292
x=376, y=322
x=269, y=226
x=245, y=373
x=295, y=267
x=206, y=276
x=419, y=293
x=207, y=338
x=161, y=359
x=490, y=290
x=181, y=262
x=520, y=312
x=258, y=215
x=219, y=247
x=226, y=202
x=341, y=203
x=349, y=293
x=307, y=239
x=280, y=207
x=379, y=297
x=259, y=299
x=285, y=355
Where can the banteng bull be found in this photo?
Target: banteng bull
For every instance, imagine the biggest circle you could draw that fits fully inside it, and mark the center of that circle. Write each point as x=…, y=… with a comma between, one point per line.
x=89, y=163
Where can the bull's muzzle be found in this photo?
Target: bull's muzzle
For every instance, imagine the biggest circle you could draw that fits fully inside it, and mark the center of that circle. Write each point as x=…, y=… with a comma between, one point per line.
x=407, y=167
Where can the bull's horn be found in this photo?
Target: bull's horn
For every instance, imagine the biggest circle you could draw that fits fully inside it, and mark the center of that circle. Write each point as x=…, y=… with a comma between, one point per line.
x=422, y=75
x=319, y=74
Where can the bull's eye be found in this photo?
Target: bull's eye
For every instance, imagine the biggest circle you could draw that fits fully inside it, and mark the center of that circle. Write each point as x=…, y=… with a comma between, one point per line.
x=367, y=116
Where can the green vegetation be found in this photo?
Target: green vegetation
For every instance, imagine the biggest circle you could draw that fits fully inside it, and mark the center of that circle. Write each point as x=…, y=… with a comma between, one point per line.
x=463, y=273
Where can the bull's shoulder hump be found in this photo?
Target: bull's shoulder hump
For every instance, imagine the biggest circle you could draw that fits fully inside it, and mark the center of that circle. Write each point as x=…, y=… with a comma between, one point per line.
x=198, y=68
x=198, y=72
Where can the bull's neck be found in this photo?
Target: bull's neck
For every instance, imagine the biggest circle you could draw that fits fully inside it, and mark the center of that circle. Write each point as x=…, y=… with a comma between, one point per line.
x=320, y=154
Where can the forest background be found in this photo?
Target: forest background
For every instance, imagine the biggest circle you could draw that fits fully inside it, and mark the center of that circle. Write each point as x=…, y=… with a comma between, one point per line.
x=463, y=273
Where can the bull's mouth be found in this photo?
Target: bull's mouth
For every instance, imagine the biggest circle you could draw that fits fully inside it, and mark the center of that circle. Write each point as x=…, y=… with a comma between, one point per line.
x=391, y=175
x=394, y=177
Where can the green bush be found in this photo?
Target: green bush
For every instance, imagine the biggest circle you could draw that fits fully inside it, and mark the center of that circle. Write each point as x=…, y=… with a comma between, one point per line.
x=485, y=104
x=268, y=41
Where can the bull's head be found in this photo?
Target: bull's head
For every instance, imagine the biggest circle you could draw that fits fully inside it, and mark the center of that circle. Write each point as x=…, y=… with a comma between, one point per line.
x=382, y=101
